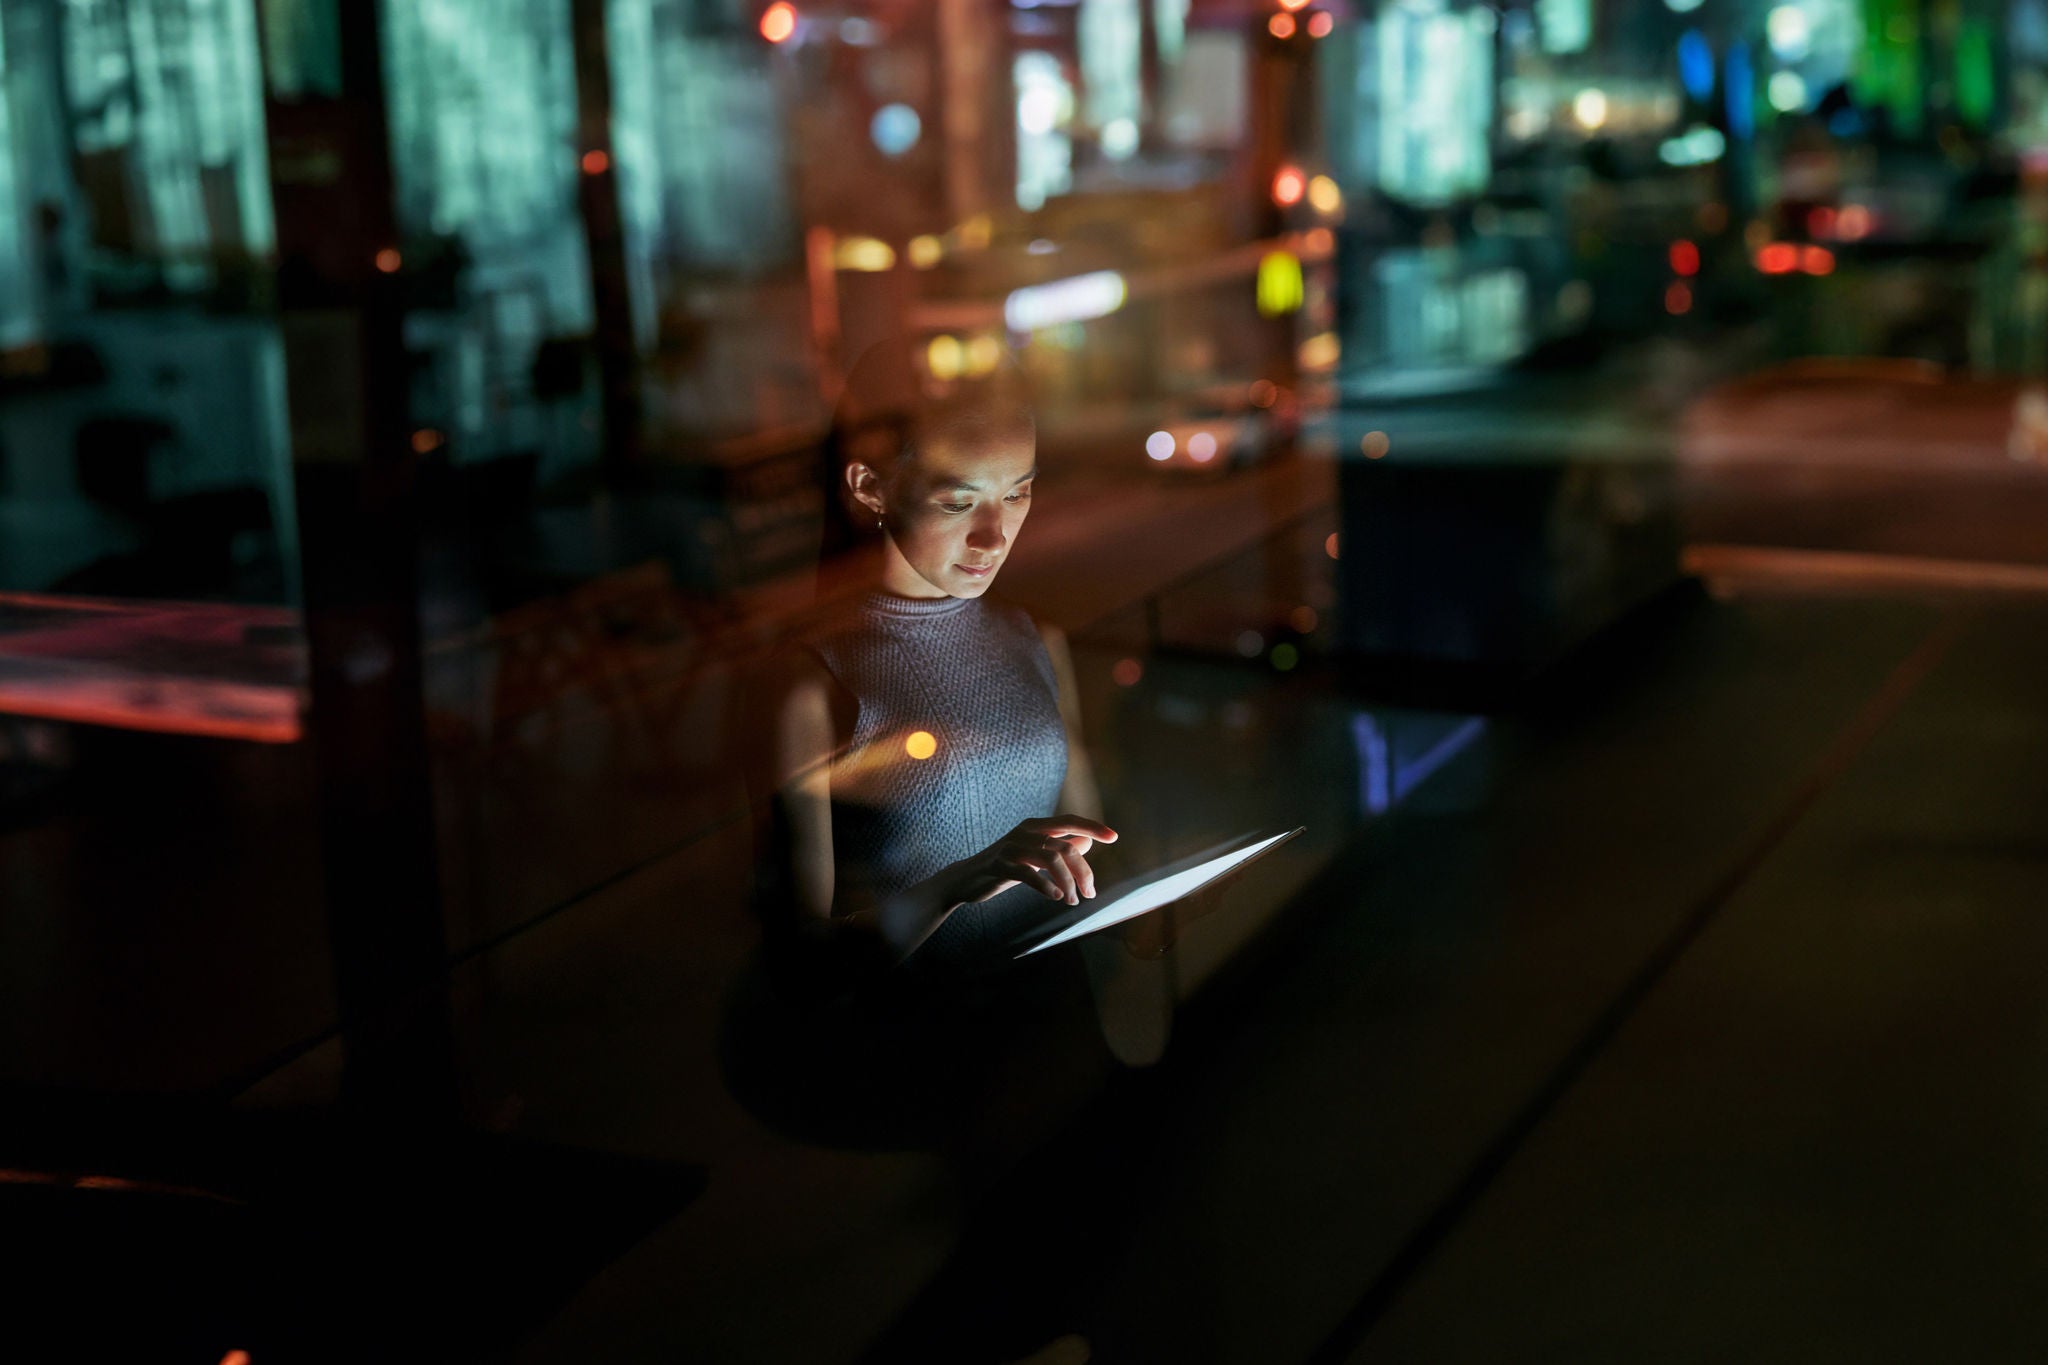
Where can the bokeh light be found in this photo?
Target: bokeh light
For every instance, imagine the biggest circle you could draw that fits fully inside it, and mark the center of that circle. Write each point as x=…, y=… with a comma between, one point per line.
x=1127, y=672
x=1281, y=26
x=1289, y=184
x=1374, y=445
x=1159, y=445
x=1202, y=447
x=921, y=745
x=1330, y=545
x=388, y=260
x=778, y=21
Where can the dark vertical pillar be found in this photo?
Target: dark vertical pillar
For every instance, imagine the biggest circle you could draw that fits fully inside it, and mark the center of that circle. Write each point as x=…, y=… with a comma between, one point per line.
x=341, y=314
x=618, y=356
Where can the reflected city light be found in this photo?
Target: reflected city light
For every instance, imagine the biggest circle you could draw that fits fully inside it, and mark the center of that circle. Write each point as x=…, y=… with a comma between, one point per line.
x=1075, y=299
x=945, y=357
x=925, y=251
x=1201, y=447
x=1303, y=618
x=1251, y=644
x=1281, y=26
x=1374, y=445
x=921, y=745
x=1127, y=672
x=596, y=161
x=1777, y=258
x=1285, y=656
x=388, y=260
x=1330, y=545
x=1159, y=445
x=1678, y=299
x=426, y=440
x=1289, y=184
x=1324, y=196
x=1589, y=107
x=778, y=21
x=1816, y=260
x=1685, y=258
x=1320, y=23
x=869, y=255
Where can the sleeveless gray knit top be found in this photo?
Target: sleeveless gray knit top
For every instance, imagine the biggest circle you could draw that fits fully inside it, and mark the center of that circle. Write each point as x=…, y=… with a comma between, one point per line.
x=956, y=737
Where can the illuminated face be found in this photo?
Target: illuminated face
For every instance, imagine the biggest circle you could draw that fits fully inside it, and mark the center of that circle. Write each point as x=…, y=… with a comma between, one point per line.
x=953, y=511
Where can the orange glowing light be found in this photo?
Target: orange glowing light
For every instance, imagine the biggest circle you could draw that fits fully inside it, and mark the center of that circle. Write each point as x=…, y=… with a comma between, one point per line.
x=1127, y=672
x=921, y=745
x=1852, y=224
x=1374, y=445
x=1303, y=618
x=1291, y=5
x=1817, y=260
x=1678, y=299
x=596, y=161
x=1330, y=545
x=1263, y=392
x=426, y=440
x=1319, y=24
x=1777, y=258
x=1288, y=186
x=1317, y=243
x=388, y=260
x=235, y=1358
x=1821, y=222
x=1685, y=258
x=1281, y=26
x=778, y=21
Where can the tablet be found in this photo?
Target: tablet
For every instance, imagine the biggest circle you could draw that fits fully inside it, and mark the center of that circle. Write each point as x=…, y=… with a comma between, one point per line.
x=1160, y=889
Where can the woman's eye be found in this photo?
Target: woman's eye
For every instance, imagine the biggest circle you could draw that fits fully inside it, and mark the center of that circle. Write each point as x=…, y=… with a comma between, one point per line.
x=955, y=507
x=1021, y=495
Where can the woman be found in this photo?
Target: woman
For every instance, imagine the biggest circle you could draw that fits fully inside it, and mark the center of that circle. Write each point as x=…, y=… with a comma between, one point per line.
x=932, y=799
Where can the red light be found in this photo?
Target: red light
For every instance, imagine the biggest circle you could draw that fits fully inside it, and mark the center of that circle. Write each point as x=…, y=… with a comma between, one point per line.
x=778, y=21
x=1852, y=224
x=1817, y=260
x=1288, y=186
x=1281, y=26
x=1685, y=258
x=388, y=260
x=1320, y=24
x=1777, y=258
x=1678, y=299
x=1821, y=222
x=596, y=161
x=1127, y=672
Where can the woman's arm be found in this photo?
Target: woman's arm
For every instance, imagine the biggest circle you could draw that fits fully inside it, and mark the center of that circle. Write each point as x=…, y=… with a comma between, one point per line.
x=1079, y=794
x=828, y=918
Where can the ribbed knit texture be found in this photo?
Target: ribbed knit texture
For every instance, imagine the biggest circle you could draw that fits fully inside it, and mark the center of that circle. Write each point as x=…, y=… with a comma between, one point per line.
x=975, y=677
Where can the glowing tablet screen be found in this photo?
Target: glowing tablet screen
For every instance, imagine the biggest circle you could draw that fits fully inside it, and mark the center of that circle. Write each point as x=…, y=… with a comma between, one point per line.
x=1151, y=896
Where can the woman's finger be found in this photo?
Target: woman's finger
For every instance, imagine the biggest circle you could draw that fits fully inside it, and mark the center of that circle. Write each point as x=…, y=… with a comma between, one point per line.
x=1033, y=876
x=1084, y=875
x=1061, y=825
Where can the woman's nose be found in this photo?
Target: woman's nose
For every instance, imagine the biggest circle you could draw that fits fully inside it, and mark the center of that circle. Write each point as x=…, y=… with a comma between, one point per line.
x=986, y=533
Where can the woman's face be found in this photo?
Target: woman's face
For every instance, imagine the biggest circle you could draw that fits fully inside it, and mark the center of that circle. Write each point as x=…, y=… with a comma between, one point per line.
x=953, y=511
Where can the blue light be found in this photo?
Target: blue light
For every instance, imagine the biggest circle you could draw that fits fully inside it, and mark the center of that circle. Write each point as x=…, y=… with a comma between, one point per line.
x=1738, y=82
x=895, y=129
x=1696, y=65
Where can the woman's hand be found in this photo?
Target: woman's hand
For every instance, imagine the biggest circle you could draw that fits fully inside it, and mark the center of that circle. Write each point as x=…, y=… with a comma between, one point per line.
x=1049, y=855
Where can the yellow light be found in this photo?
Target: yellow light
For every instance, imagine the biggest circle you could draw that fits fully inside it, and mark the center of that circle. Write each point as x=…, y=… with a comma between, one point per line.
x=983, y=354
x=1324, y=196
x=1320, y=352
x=977, y=232
x=778, y=21
x=944, y=356
x=1589, y=107
x=863, y=253
x=926, y=251
x=1280, y=289
x=921, y=745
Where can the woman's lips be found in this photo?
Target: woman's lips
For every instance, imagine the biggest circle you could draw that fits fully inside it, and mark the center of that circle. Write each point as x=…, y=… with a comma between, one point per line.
x=982, y=572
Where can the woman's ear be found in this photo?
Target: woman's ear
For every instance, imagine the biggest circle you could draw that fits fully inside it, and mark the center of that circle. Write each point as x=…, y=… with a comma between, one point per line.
x=864, y=486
